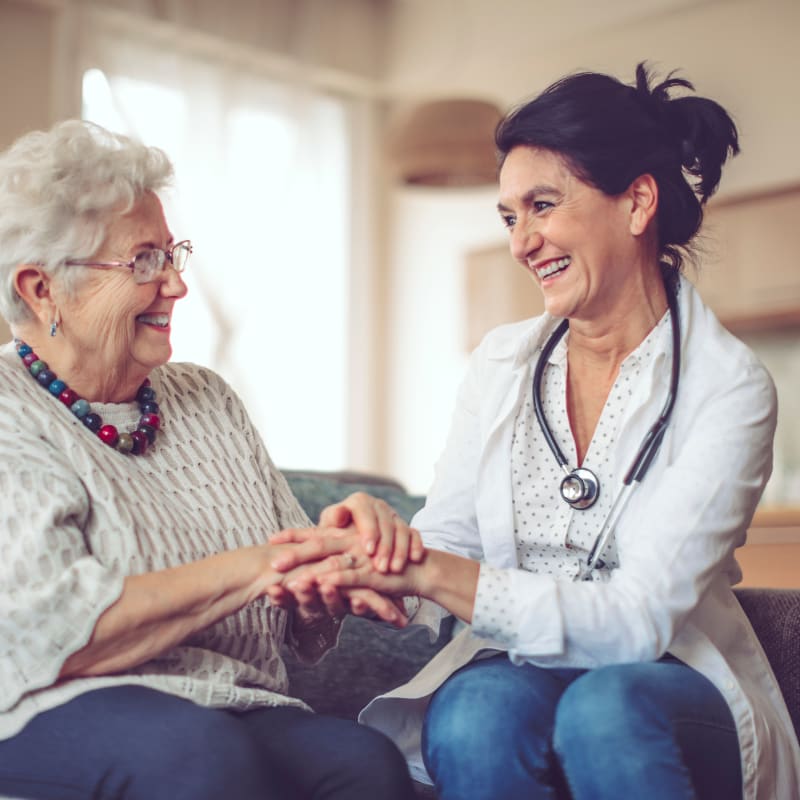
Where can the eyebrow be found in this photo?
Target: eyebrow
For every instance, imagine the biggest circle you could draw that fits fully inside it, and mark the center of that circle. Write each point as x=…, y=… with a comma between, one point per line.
x=149, y=243
x=532, y=194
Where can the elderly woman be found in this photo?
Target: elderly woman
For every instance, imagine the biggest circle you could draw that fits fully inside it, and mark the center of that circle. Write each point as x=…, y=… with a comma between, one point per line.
x=140, y=654
x=607, y=656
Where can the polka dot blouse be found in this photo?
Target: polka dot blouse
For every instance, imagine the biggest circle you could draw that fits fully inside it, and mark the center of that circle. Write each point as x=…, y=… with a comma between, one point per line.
x=551, y=537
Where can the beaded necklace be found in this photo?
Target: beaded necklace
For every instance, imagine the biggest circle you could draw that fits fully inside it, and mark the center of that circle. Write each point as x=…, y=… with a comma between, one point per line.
x=136, y=442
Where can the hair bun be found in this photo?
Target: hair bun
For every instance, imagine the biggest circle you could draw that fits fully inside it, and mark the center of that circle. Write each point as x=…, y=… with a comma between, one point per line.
x=702, y=132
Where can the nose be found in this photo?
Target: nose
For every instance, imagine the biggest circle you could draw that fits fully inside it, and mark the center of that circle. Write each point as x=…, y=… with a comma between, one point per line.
x=172, y=283
x=525, y=241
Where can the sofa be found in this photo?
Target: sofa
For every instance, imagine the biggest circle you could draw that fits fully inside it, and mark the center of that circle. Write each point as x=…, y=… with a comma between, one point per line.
x=373, y=657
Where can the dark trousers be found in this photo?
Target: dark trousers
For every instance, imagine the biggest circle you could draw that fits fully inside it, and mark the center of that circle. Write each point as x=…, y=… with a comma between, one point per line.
x=140, y=744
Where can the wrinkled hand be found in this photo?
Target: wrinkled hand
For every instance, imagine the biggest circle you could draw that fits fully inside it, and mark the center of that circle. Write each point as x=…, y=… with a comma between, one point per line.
x=384, y=533
x=307, y=552
x=349, y=568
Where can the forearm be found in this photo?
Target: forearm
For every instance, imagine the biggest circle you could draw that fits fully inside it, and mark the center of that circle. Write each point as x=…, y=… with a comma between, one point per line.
x=449, y=580
x=158, y=610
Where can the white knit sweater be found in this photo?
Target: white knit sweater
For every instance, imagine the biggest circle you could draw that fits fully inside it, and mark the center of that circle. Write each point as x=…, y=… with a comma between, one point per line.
x=76, y=516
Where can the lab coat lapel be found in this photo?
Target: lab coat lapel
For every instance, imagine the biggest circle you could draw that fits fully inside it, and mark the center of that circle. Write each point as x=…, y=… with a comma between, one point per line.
x=494, y=503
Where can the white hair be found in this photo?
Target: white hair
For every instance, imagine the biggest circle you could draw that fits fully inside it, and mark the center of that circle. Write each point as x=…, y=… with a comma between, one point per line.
x=58, y=191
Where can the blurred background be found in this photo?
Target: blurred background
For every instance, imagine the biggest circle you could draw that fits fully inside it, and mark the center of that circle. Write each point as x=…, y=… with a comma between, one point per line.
x=334, y=172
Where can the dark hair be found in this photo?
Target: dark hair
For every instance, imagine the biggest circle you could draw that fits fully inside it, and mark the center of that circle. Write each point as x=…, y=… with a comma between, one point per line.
x=610, y=133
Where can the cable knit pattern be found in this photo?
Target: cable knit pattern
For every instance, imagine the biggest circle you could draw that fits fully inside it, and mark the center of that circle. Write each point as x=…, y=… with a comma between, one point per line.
x=76, y=517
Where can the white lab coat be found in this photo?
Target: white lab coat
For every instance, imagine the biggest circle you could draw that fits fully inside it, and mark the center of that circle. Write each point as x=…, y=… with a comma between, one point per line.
x=676, y=540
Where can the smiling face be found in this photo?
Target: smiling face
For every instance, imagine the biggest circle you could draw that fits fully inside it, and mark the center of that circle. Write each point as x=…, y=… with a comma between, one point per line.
x=114, y=331
x=584, y=248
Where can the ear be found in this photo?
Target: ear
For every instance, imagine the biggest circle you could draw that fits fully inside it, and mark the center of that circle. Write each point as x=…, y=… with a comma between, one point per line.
x=643, y=194
x=32, y=284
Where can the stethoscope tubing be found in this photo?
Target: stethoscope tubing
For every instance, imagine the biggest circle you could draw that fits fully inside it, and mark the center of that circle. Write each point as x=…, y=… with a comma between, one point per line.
x=647, y=449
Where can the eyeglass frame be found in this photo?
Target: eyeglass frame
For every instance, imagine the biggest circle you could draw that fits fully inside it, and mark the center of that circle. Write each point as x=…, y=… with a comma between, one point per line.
x=131, y=265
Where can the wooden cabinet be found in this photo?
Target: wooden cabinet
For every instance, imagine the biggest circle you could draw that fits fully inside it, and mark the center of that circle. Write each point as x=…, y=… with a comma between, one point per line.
x=750, y=264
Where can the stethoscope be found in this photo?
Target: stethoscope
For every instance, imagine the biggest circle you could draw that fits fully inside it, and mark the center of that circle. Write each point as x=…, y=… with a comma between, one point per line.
x=580, y=487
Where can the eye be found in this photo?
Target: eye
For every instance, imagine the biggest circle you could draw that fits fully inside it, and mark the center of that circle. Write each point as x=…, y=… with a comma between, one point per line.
x=541, y=205
x=148, y=262
x=509, y=220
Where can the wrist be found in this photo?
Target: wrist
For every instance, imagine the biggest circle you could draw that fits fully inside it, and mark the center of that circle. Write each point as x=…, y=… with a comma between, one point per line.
x=428, y=574
x=450, y=581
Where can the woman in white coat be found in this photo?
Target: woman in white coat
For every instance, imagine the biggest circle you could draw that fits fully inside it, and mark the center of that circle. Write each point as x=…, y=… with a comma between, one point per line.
x=606, y=655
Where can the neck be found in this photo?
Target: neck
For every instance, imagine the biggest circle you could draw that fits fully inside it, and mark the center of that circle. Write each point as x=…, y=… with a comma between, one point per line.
x=89, y=376
x=605, y=341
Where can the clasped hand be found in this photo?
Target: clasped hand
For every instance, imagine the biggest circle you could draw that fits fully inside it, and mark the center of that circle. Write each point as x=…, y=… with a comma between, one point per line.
x=347, y=563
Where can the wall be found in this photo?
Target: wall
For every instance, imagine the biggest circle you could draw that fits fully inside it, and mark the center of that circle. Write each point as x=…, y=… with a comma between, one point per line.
x=744, y=54
x=26, y=43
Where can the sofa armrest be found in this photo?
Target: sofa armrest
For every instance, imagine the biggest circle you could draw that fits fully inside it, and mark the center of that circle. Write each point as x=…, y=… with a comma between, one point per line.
x=775, y=617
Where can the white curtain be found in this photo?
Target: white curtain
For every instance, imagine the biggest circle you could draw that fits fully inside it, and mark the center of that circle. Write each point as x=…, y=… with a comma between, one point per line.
x=264, y=192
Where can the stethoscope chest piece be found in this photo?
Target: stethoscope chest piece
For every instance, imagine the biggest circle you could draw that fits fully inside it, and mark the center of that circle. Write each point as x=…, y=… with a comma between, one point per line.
x=580, y=488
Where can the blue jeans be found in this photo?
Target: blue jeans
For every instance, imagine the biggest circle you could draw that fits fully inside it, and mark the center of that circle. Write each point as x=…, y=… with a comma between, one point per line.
x=657, y=730
x=140, y=744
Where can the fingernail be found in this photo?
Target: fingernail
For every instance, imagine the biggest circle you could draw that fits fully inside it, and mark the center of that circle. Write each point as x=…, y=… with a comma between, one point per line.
x=383, y=564
x=370, y=547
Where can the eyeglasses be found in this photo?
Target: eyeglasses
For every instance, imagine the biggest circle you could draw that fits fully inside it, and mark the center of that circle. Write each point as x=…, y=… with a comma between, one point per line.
x=148, y=265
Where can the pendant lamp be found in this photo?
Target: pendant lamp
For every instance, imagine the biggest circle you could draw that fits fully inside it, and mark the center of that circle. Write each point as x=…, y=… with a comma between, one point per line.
x=445, y=143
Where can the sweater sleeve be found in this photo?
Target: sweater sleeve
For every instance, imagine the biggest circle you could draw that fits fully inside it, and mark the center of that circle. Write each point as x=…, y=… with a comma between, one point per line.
x=52, y=590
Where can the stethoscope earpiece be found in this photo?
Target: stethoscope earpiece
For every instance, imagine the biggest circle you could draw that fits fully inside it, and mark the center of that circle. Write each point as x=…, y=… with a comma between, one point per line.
x=580, y=488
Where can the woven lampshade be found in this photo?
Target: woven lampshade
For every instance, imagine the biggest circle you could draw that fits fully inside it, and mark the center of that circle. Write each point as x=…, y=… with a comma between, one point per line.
x=445, y=143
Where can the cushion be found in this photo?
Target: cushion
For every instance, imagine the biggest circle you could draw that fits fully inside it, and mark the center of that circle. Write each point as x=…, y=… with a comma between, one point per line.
x=316, y=490
x=372, y=657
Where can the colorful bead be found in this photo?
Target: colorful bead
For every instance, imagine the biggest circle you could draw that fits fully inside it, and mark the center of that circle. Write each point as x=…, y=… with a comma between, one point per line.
x=125, y=443
x=109, y=434
x=45, y=377
x=153, y=420
x=92, y=421
x=140, y=442
x=80, y=408
x=135, y=442
x=149, y=432
x=145, y=394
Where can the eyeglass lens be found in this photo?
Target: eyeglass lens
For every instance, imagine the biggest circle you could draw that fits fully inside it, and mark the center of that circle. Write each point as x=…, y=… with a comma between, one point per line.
x=180, y=255
x=149, y=264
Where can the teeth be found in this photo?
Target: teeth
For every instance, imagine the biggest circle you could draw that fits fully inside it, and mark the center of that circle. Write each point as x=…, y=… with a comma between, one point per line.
x=553, y=267
x=162, y=320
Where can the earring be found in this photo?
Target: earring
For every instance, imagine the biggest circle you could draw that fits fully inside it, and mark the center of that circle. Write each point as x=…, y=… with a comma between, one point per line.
x=54, y=325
